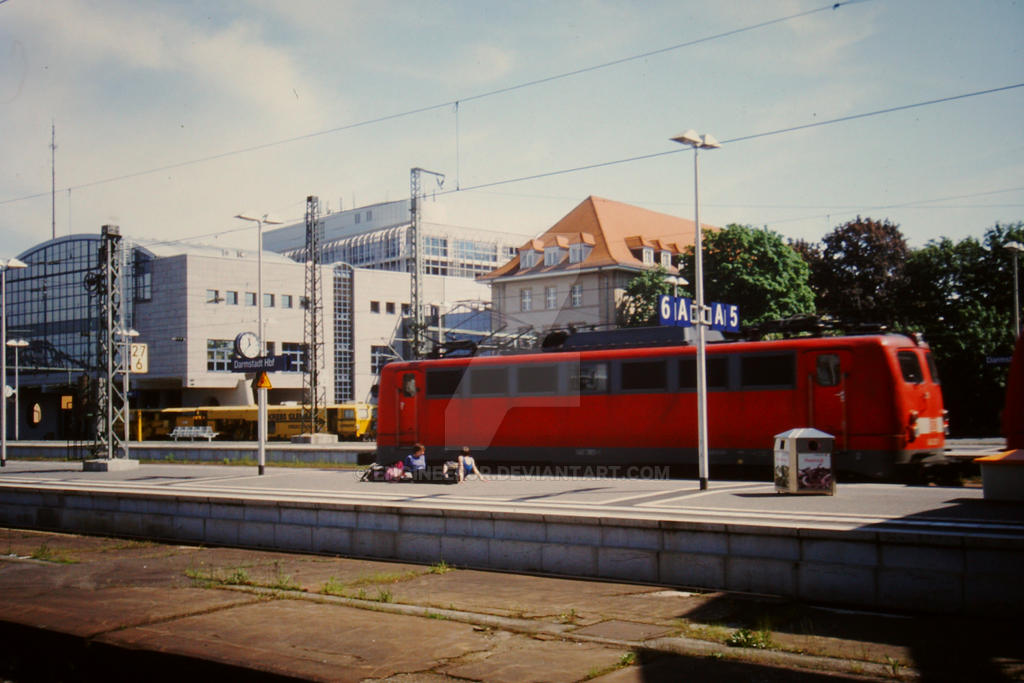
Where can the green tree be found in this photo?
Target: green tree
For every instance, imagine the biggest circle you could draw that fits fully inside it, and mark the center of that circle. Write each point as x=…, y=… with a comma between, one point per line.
x=860, y=275
x=638, y=306
x=756, y=270
x=957, y=294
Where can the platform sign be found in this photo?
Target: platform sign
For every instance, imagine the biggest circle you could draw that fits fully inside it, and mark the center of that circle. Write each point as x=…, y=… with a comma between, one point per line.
x=139, y=359
x=261, y=364
x=680, y=312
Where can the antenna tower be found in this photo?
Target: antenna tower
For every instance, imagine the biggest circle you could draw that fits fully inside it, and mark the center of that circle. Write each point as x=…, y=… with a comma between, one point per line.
x=313, y=391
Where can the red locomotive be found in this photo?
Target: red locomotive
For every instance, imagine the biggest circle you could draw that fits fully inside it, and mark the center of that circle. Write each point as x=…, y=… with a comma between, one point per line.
x=633, y=401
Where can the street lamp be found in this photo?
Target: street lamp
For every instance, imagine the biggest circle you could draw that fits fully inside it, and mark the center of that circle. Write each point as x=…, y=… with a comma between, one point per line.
x=261, y=392
x=260, y=222
x=1016, y=248
x=5, y=265
x=127, y=336
x=16, y=344
x=675, y=281
x=702, y=317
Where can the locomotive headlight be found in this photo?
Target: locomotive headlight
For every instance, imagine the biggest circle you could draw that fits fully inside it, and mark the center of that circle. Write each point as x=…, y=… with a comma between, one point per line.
x=914, y=427
x=945, y=422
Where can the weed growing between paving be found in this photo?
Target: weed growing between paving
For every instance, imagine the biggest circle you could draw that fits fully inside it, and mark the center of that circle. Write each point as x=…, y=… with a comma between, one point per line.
x=744, y=637
x=46, y=554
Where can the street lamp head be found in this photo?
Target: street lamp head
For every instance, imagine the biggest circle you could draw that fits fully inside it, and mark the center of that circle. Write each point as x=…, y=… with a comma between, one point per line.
x=17, y=343
x=1015, y=247
x=693, y=139
x=264, y=219
x=12, y=263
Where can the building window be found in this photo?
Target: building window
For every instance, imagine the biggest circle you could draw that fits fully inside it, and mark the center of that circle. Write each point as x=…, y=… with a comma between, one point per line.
x=369, y=216
x=550, y=297
x=359, y=218
x=287, y=301
x=579, y=252
x=250, y=298
x=379, y=355
x=525, y=300
x=374, y=307
x=268, y=301
x=552, y=255
x=231, y=298
x=218, y=355
x=648, y=253
x=406, y=309
x=666, y=259
x=576, y=294
x=292, y=351
x=528, y=258
x=389, y=307
x=213, y=296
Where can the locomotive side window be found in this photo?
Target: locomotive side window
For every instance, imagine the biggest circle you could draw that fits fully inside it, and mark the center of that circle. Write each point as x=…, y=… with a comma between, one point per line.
x=770, y=370
x=408, y=385
x=910, y=367
x=933, y=370
x=589, y=378
x=647, y=375
x=537, y=379
x=444, y=383
x=488, y=381
x=828, y=370
x=718, y=373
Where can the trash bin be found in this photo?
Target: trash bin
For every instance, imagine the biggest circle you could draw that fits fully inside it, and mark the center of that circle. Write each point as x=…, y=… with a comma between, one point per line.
x=803, y=462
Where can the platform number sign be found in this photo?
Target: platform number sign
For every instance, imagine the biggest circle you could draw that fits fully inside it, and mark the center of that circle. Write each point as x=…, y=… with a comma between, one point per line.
x=680, y=312
x=139, y=359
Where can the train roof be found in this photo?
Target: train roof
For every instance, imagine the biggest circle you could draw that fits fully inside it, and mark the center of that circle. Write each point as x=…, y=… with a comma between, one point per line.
x=633, y=341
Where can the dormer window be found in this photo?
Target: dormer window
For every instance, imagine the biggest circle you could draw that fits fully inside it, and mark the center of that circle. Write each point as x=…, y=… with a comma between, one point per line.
x=552, y=255
x=666, y=259
x=579, y=252
x=528, y=258
x=648, y=256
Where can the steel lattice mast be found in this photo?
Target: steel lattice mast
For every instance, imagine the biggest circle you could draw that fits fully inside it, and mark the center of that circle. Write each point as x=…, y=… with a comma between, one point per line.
x=416, y=245
x=314, y=393
x=111, y=354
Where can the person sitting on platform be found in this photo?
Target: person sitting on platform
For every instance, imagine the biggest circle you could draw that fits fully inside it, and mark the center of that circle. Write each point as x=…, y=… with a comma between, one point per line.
x=468, y=466
x=416, y=463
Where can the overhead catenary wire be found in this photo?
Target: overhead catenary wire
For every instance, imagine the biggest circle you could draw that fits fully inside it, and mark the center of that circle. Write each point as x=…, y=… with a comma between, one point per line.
x=443, y=105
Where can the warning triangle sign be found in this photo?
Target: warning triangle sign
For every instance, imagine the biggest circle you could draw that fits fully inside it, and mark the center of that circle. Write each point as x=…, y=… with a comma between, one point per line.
x=262, y=381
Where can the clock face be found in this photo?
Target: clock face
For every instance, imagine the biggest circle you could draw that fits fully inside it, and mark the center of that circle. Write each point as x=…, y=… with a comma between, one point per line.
x=247, y=344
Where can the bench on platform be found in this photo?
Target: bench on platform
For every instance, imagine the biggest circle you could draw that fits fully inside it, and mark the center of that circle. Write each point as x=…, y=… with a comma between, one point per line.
x=202, y=432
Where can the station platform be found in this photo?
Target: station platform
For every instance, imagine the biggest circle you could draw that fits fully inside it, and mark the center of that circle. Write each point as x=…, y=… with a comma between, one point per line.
x=941, y=549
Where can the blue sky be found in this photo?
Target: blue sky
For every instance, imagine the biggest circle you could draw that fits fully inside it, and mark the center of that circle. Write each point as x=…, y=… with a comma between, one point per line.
x=184, y=86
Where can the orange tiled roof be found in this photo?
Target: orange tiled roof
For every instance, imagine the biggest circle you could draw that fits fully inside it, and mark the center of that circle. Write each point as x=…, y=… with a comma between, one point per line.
x=612, y=229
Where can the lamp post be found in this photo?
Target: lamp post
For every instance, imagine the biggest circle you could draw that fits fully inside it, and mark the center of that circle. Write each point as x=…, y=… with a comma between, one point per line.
x=16, y=344
x=127, y=336
x=1016, y=248
x=701, y=318
x=261, y=392
x=260, y=222
x=5, y=265
x=675, y=281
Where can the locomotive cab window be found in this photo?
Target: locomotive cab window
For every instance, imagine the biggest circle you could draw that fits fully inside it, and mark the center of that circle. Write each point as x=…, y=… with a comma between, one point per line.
x=717, y=373
x=444, y=383
x=589, y=378
x=828, y=370
x=537, y=379
x=910, y=367
x=933, y=370
x=409, y=384
x=775, y=370
x=488, y=381
x=644, y=375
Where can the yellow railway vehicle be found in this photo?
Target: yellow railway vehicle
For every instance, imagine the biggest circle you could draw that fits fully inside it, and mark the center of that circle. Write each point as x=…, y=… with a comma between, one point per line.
x=350, y=421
